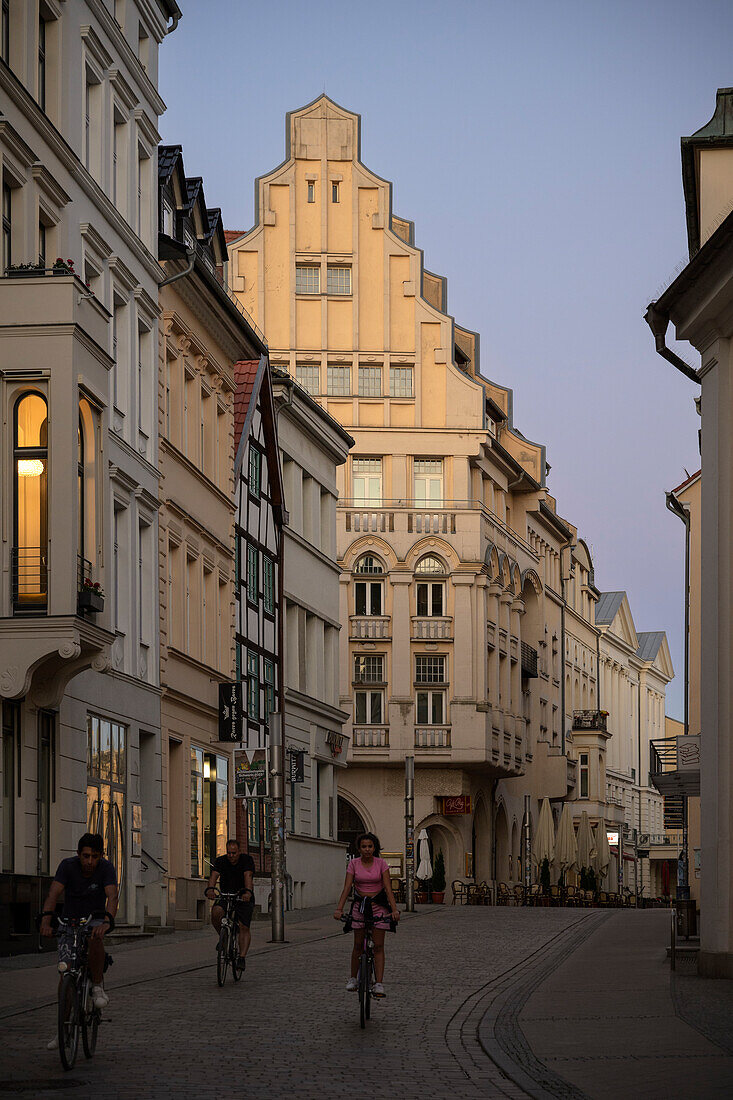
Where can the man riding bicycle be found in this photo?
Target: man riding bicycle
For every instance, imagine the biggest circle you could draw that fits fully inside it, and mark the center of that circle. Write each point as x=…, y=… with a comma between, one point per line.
x=234, y=873
x=89, y=885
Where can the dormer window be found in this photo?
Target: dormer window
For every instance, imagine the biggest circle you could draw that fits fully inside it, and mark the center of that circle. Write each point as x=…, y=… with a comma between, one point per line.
x=167, y=218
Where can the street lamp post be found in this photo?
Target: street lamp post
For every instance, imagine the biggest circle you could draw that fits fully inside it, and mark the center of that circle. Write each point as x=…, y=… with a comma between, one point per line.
x=409, y=834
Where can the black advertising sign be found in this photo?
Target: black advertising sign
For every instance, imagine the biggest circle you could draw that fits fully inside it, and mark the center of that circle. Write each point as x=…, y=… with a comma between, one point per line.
x=230, y=712
x=297, y=767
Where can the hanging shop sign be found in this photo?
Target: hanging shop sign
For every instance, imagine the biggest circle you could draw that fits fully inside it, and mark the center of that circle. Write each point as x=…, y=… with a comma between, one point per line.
x=230, y=712
x=297, y=766
x=456, y=804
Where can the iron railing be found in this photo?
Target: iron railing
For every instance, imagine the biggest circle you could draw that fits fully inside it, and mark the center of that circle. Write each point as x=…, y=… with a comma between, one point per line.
x=663, y=755
x=29, y=578
x=590, y=720
x=83, y=572
x=529, y=661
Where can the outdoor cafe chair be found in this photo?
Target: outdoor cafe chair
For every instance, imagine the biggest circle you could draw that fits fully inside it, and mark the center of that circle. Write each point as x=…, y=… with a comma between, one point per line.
x=460, y=891
x=555, y=895
x=485, y=890
x=571, y=895
x=518, y=894
x=503, y=896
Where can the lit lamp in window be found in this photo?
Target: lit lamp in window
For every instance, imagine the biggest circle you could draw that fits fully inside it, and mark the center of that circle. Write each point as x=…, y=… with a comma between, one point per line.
x=207, y=768
x=30, y=467
x=30, y=534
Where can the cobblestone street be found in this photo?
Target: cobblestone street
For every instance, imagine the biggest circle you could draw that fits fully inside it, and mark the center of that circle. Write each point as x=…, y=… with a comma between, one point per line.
x=458, y=981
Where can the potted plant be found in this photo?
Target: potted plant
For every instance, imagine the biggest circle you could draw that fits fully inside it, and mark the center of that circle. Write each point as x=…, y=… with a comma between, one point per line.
x=439, y=878
x=24, y=271
x=91, y=596
x=63, y=267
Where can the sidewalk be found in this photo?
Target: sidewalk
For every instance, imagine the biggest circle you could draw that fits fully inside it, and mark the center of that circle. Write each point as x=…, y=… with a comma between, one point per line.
x=611, y=1020
x=28, y=981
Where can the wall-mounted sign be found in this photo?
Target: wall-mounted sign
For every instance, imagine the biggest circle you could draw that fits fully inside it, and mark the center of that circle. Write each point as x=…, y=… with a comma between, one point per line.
x=335, y=742
x=230, y=712
x=456, y=804
x=611, y=837
x=250, y=774
x=688, y=753
x=297, y=766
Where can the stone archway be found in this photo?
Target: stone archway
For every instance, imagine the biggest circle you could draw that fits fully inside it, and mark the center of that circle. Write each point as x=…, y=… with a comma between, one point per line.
x=444, y=835
x=482, y=869
x=350, y=823
x=502, y=869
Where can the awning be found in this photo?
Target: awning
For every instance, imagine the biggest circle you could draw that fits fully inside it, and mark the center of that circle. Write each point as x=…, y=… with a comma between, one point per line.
x=614, y=852
x=684, y=782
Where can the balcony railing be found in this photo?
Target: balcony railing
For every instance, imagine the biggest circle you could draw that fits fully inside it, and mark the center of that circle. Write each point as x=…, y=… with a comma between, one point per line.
x=651, y=840
x=83, y=572
x=663, y=755
x=529, y=661
x=369, y=627
x=29, y=578
x=431, y=628
x=432, y=737
x=590, y=720
x=370, y=737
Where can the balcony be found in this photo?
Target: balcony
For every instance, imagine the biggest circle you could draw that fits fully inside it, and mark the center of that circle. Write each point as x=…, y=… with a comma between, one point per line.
x=674, y=766
x=590, y=720
x=433, y=628
x=29, y=579
x=368, y=628
x=52, y=299
x=370, y=737
x=432, y=737
x=529, y=661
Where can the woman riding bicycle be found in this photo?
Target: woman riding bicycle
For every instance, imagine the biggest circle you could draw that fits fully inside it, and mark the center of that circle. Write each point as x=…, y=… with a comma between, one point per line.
x=368, y=874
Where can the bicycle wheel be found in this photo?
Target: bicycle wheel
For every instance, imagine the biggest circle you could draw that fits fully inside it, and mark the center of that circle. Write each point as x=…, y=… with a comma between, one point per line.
x=236, y=972
x=363, y=991
x=222, y=956
x=90, y=1020
x=370, y=979
x=68, y=1021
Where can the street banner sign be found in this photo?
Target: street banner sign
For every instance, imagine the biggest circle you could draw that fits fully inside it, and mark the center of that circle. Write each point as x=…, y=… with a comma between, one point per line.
x=230, y=712
x=250, y=774
x=297, y=766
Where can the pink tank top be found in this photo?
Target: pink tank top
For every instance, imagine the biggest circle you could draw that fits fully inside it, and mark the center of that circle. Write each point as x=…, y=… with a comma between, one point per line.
x=367, y=880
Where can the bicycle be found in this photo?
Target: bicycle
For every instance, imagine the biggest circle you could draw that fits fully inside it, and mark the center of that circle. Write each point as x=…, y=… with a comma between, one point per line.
x=366, y=976
x=76, y=1010
x=227, y=951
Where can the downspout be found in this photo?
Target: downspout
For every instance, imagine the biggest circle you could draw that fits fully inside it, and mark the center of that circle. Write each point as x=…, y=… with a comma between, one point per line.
x=280, y=617
x=191, y=253
x=567, y=546
x=658, y=324
x=682, y=513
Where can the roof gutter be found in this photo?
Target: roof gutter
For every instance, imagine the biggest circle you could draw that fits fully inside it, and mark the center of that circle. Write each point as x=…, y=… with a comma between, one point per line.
x=191, y=253
x=658, y=323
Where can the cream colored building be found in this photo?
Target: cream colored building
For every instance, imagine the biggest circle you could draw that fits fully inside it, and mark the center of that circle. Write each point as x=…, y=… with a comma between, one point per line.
x=699, y=303
x=467, y=602
x=79, y=109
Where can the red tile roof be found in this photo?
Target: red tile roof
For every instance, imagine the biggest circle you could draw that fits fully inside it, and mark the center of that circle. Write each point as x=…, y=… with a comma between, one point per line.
x=232, y=234
x=688, y=481
x=245, y=372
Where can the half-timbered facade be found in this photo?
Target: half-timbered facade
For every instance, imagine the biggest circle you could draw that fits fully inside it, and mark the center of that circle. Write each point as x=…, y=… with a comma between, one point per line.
x=259, y=518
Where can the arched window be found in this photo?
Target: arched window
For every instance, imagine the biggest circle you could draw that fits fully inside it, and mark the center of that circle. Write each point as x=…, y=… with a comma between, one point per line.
x=430, y=594
x=30, y=527
x=369, y=594
x=86, y=489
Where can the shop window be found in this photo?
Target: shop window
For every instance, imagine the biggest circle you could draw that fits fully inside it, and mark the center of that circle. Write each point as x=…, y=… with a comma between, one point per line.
x=107, y=784
x=209, y=803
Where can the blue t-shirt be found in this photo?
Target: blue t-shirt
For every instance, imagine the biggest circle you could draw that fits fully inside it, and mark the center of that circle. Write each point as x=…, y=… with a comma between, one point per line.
x=84, y=895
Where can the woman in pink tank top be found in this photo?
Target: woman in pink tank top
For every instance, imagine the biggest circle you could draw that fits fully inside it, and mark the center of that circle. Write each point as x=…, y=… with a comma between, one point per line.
x=368, y=874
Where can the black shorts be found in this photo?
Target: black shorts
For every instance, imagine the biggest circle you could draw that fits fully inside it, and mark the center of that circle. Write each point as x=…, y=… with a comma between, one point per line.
x=243, y=910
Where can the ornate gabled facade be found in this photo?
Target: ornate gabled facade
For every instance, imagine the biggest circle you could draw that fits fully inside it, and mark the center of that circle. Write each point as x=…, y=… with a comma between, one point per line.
x=461, y=587
x=203, y=336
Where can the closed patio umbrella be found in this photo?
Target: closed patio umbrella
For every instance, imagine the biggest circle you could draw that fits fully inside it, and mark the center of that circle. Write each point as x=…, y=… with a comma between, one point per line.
x=424, y=864
x=586, y=847
x=566, y=851
x=544, y=841
x=603, y=852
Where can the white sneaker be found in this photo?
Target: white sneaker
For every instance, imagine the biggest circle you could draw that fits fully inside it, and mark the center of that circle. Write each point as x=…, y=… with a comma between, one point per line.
x=99, y=997
x=53, y=1044
x=352, y=985
x=378, y=990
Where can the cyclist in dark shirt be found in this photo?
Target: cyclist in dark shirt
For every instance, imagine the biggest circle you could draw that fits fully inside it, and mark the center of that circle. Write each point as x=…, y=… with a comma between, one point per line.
x=234, y=872
x=89, y=885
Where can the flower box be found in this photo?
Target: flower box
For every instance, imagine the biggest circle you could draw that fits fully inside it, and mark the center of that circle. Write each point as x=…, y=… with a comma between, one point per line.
x=89, y=600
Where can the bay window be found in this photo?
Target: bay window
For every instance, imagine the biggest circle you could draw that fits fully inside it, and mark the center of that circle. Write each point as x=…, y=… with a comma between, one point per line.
x=30, y=541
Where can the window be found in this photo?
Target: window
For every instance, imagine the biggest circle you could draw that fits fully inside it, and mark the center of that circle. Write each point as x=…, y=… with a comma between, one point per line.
x=238, y=660
x=209, y=817
x=42, y=63
x=307, y=279
x=30, y=543
x=311, y=191
x=5, y=32
x=368, y=598
x=253, y=686
x=253, y=822
x=338, y=279
x=368, y=670
x=370, y=381
x=255, y=470
x=334, y=190
x=10, y=740
x=430, y=564
x=429, y=598
x=268, y=584
x=400, y=381
x=368, y=564
x=368, y=708
x=339, y=381
x=167, y=218
x=430, y=708
x=309, y=377
x=429, y=670
x=7, y=256
x=268, y=674
x=41, y=245
x=583, y=761
x=253, y=570
x=367, y=481
x=428, y=481
x=107, y=782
